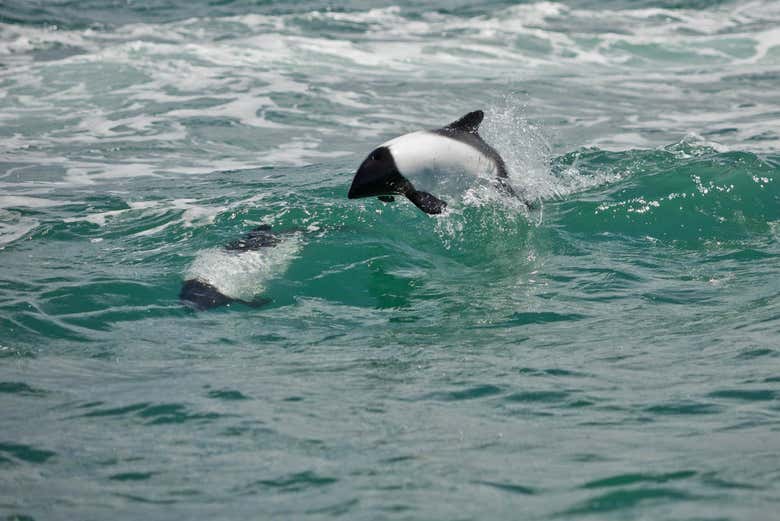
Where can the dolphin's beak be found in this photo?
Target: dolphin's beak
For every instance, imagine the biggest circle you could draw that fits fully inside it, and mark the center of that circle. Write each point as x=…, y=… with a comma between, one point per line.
x=369, y=182
x=377, y=175
x=354, y=190
x=372, y=180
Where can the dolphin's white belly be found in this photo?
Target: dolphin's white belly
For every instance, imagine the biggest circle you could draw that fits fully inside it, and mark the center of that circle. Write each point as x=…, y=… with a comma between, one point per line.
x=438, y=164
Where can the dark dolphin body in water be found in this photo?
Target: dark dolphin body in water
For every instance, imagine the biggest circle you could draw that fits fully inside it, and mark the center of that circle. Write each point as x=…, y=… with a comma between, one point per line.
x=200, y=295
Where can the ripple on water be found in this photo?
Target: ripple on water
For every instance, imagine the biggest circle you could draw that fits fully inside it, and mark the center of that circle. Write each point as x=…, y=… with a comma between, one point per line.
x=628, y=499
x=227, y=394
x=537, y=317
x=629, y=496
x=21, y=389
x=713, y=480
x=135, y=498
x=509, y=487
x=471, y=393
x=749, y=395
x=554, y=371
x=155, y=414
x=19, y=517
x=756, y=353
x=538, y=396
x=683, y=407
x=9, y=452
x=630, y=479
x=295, y=482
x=132, y=476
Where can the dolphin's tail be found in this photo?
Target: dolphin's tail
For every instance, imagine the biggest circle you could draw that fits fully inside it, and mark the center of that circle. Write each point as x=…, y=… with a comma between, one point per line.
x=504, y=186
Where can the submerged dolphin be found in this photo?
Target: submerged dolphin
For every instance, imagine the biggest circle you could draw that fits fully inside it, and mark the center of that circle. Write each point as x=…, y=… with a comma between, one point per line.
x=426, y=165
x=237, y=271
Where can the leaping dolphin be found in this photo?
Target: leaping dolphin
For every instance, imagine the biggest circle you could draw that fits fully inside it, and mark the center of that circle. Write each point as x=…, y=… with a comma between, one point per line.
x=441, y=162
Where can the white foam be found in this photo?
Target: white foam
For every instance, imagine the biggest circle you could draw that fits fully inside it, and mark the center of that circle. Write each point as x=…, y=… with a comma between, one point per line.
x=14, y=226
x=18, y=40
x=271, y=40
x=16, y=201
x=254, y=68
x=524, y=147
x=243, y=109
x=191, y=213
x=621, y=141
x=766, y=41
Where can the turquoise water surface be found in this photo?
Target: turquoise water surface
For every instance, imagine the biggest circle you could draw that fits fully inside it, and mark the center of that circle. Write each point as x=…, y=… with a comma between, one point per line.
x=613, y=353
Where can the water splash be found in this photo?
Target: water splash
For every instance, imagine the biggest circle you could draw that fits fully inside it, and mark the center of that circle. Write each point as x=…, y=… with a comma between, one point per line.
x=244, y=275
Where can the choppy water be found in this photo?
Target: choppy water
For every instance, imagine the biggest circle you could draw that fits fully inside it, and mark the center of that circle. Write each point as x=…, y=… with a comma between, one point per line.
x=613, y=354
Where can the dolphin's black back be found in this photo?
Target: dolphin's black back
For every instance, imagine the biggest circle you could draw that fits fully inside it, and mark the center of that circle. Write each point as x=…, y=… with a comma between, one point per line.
x=465, y=130
x=260, y=237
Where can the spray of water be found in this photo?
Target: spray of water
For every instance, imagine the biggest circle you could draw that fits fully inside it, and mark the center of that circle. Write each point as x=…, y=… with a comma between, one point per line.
x=527, y=152
x=524, y=147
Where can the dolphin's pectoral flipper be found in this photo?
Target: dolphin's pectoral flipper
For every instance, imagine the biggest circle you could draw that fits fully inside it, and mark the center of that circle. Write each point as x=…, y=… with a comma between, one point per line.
x=503, y=184
x=468, y=123
x=386, y=198
x=426, y=202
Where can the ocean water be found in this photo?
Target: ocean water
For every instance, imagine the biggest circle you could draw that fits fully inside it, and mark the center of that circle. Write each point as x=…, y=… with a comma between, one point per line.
x=613, y=353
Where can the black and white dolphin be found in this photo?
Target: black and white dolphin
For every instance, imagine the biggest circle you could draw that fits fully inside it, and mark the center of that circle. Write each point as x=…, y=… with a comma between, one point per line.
x=430, y=166
x=238, y=271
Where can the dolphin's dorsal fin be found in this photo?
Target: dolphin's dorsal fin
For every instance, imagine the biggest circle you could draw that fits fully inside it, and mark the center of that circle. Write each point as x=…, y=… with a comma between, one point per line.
x=468, y=123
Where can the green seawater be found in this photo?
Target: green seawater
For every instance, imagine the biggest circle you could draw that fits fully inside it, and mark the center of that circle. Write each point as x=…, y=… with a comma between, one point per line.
x=612, y=353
